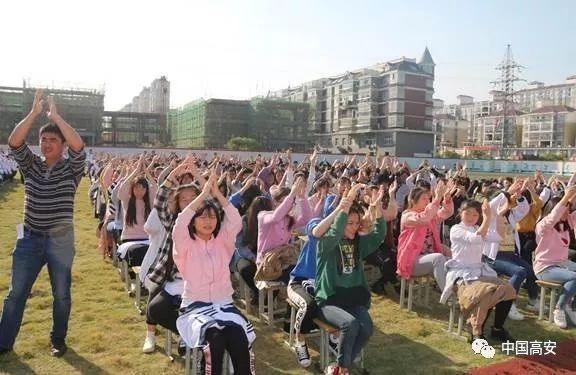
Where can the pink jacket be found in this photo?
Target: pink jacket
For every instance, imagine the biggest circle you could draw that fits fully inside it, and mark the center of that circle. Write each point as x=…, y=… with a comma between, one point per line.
x=413, y=228
x=273, y=229
x=552, y=245
x=204, y=264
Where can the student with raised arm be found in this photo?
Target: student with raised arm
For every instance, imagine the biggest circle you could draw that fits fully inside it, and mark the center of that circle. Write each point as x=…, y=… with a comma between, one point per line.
x=137, y=192
x=165, y=284
x=499, y=254
x=203, y=247
x=48, y=234
x=551, y=261
x=342, y=294
x=302, y=285
x=275, y=225
x=420, y=250
x=476, y=285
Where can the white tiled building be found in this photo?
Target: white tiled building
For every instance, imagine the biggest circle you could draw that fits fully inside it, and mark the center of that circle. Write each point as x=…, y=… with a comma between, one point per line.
x=549, y=126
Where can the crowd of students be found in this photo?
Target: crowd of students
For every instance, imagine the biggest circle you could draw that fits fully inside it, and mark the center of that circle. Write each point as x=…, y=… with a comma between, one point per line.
x=201, y=220
x=8, y=167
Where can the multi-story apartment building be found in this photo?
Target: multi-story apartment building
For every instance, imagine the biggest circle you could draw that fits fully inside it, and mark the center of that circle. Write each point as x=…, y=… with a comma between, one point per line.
x=152, y=99
x=450, y=132
x=549, y=126
x=494, y=129
x=527, y=101
x=560, y=95
x=388, y=105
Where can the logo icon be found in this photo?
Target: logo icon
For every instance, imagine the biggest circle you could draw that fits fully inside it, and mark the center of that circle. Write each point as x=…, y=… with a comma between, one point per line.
x=480, y=346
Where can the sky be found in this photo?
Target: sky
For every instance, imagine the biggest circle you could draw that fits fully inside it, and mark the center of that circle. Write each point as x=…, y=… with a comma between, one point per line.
x=243, y=48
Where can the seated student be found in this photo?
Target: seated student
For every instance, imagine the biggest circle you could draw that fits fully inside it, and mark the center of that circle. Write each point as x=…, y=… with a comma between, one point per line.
x=477, y=285
x=551, y=261
x=499, y=252
x=332, y=200
x=275, y=224
x=244, y=259
x=342, y=294
x=301, y=289
x=166, y=284
x=136, y=194
x=420, y=251
x=385, y=257
x=203, y=247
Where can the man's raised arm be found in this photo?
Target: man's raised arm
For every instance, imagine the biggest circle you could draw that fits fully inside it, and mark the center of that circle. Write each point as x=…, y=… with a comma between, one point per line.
x=18, y=135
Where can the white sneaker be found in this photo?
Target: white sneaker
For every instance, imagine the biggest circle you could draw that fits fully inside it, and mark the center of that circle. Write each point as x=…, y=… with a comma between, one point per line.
x=303, y=355
x=149, y=344
x=571, y=314
x=560, y=318
x=534, y=306
x=514, y=314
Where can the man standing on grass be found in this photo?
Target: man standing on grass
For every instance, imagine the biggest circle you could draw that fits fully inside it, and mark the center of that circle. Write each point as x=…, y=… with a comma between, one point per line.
x=47, y=236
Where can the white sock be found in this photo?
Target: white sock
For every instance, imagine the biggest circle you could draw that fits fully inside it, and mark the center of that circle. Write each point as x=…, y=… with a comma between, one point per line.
x=151, y=334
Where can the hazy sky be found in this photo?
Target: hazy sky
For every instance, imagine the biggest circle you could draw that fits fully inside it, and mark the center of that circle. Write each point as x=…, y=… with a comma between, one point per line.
x=239, y=49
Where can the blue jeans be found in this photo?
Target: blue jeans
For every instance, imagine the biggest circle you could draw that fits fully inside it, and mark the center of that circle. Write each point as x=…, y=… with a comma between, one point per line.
x=355, y=327
x=517, y=269
x=564, y=273
x=29, y=256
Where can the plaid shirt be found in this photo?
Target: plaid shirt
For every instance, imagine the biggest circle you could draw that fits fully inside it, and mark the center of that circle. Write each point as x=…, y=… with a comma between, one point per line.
x=159, y=271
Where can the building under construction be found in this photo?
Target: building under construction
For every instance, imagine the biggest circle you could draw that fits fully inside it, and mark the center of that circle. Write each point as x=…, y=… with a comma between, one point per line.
x=81, y=108
x=210, y=123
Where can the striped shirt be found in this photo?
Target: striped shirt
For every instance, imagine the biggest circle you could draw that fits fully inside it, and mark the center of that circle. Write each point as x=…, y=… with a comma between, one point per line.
x=49, y=191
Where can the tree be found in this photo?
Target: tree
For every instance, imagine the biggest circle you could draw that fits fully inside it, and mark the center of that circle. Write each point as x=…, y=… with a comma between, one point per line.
x=477, y=155
x=451, y=155
x=243, y=144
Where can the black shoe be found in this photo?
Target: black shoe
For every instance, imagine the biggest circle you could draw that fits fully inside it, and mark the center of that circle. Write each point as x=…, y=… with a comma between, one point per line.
x=5, y=351
x=378, y=287
x=501, y=335
x=181, y=348
x=58, y=349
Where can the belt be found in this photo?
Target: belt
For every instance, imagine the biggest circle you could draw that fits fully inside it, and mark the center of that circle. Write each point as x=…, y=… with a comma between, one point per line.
x=55, y=232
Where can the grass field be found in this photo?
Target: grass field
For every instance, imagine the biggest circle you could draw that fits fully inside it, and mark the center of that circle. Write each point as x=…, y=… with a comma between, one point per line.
x=106, y=333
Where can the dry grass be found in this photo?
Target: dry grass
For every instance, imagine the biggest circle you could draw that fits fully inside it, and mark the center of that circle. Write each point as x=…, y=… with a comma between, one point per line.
x=106, y=333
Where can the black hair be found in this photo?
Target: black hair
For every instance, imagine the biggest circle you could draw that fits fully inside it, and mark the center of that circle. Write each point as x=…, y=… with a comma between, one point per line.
x=471, y=204
x=52, y=128
x=258, y=205
x=415, y=194
x=424, y=184
x=562, y=225
x=180, y=189
x=170, y=262
x=247, y=197
x=131, y=218
x=183, y=176
x=206, y=206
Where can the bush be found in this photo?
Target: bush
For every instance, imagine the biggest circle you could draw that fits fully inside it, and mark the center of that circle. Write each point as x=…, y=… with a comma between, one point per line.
x=243, y=144
x=450, y=155
x=477, y=155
